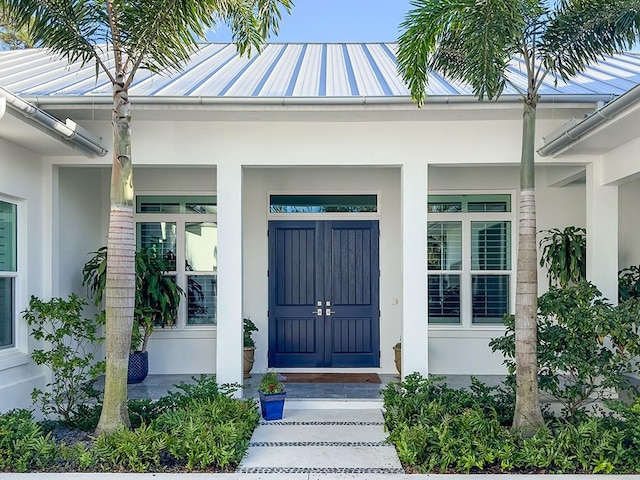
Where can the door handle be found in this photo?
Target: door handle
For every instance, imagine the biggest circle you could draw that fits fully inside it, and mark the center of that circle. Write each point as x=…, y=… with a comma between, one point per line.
x=328, y=312
x=318, y=312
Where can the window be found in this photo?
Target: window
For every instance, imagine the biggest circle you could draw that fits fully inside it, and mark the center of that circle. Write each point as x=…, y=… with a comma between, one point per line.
x=8, y=272
x=183, y=230
x=323, y=203
x=469, y=259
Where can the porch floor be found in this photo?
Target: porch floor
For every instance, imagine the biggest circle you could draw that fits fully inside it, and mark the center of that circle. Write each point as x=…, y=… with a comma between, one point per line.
x=156, y=386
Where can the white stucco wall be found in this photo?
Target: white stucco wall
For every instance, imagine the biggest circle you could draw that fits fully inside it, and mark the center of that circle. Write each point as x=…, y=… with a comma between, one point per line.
x=21, y=182
x=80, y=226
x=629, y=224
x=180, y=157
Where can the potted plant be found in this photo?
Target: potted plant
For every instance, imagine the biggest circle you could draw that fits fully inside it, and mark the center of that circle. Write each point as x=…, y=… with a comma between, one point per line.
x=272, y=395
x=156, y=305
x=397, y=352
x=248, y=356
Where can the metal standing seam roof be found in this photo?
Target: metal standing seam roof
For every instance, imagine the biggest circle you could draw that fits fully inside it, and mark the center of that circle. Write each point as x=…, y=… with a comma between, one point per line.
x=304, y=70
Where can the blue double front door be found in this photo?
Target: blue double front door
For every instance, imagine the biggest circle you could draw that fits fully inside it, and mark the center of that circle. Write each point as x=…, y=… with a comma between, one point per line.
x=324, y=294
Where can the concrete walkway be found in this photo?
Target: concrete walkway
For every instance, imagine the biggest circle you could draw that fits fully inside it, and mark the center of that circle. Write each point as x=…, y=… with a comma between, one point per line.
x=325, y=441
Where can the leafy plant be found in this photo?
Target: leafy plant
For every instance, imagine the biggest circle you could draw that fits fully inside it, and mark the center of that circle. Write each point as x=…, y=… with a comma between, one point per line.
x=629, y=283
x=564, y=254
x=271, y=383
x=22, y=443
x=157, y=295
x=211, y=432
x=248, y=327
x=437, y=429
x=135, y=450
x=72, y=343
x=576, y=364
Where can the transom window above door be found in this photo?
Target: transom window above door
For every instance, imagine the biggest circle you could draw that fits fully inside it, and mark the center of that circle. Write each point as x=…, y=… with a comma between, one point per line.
x=469, y=248
x=183, y=231
x=357, y=203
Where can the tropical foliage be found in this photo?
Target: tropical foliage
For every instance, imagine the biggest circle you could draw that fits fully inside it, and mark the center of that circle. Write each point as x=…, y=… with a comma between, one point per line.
x=475, y=42
x=564, y=254
x=157, y=294
x=629, y=283
x=585, y=345
x=438, y=429
x=11, y=37
x=199, y=427
x=121, y=37
x=70, y=347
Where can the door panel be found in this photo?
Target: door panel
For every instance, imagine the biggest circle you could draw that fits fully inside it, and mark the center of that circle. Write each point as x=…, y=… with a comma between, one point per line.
x=295, y=331
x=331, y=266
x=352, y=333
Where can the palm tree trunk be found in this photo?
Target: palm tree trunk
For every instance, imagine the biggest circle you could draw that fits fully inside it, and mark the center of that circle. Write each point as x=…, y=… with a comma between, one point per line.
x=527, y=416
x=120, y=284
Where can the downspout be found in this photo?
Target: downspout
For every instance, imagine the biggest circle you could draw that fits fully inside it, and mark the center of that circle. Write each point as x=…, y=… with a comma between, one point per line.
x=68, y=131
x=573, y=133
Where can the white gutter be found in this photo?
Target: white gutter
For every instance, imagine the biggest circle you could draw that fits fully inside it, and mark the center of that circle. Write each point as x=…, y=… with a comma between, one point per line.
x=574, y=133
x=104, y=100
x=68, y=132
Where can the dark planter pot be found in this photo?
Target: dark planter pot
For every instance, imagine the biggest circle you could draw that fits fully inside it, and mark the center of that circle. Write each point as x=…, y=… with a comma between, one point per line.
x=272, y=405
x=138, y=367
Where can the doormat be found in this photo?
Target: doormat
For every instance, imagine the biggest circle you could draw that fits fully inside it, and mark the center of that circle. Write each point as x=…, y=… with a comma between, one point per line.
x=331, y=378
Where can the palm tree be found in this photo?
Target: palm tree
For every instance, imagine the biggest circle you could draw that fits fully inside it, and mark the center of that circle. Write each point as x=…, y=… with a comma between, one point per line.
x=12, y=38
x=474, y=41
x=121, y=37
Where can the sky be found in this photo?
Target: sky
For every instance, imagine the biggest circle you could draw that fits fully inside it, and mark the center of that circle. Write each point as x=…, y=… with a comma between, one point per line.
x=336, y=21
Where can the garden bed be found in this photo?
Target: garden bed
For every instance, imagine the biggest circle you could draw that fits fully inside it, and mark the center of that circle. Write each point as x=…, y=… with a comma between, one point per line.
x=197, y=428
x=437, y=429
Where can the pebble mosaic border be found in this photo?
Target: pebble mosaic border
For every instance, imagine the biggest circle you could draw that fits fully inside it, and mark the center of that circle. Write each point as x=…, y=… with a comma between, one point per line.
x=319, y=470
x=319, y=444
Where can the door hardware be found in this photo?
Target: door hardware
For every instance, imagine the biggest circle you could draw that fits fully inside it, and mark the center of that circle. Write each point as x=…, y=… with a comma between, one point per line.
x=318, y=312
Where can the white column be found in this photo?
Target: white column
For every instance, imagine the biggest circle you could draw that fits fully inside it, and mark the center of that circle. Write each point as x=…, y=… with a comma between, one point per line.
x=602, y=232
x=414, y=269
x=229, y=334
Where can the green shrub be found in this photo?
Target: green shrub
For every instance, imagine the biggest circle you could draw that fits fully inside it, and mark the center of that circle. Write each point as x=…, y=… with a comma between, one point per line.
x=22, y=445
x=198, y=426
x=437, y=429
x=130, y=450
x=629, y=283
x=209, y=433
x=585, y=345
x=72, y=343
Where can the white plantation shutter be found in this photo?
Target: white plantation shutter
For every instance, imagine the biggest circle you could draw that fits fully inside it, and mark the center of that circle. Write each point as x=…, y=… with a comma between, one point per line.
x=8, y=271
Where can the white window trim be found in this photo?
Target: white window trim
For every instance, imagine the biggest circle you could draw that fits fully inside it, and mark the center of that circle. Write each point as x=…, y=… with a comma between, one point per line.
x=179, y=218
x=466, y=321
x=324, y=216
x=18, y=353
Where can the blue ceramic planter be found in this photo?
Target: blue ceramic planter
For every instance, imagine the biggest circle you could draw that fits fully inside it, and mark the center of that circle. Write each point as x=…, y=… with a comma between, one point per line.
x=138, y=367
x=272, y=405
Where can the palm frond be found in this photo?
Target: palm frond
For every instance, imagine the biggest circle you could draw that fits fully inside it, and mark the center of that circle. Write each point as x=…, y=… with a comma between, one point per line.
x=581, y=32
x=68, y=28
x=466, y=40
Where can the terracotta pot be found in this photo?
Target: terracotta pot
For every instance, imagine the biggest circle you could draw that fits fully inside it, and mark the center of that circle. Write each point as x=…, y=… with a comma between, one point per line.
x=247, y=361
x=397, y=350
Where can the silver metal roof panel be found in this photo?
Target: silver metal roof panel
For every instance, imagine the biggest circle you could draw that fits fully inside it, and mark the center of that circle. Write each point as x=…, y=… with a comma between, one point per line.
x=305, y=70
